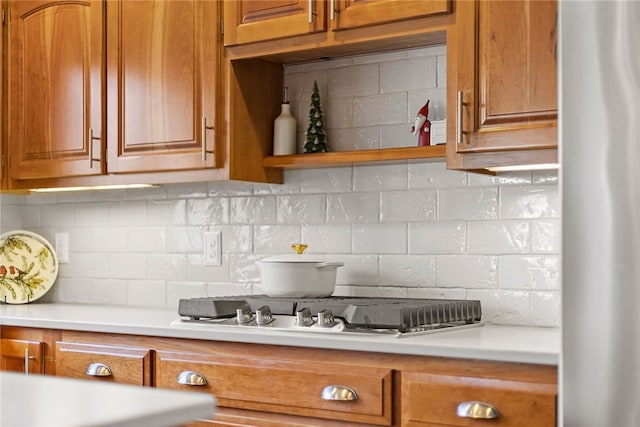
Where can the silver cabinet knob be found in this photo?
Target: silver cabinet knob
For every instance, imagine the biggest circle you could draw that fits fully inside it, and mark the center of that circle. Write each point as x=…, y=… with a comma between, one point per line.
x=192, y=378
x=339, y=392
x=99, y=370
x=477, y=410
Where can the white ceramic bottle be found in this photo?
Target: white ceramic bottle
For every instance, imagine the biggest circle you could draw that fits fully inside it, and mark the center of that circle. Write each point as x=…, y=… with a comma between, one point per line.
x=284, y=129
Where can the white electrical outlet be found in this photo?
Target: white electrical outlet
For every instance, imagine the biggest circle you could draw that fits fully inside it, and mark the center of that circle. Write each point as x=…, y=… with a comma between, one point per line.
x=212, y=248
x=62, y=247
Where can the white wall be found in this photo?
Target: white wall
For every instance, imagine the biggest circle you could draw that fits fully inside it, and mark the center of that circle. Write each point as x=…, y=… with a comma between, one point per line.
x=412, y=229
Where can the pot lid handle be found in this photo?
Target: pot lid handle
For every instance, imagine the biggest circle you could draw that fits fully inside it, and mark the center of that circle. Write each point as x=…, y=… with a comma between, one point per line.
x=298, y=247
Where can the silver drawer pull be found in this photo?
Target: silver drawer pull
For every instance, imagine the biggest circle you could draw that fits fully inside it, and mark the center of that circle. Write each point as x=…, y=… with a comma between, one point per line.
x=99, y=370
x=477, y=410
x=191, y=378
x=339, y=392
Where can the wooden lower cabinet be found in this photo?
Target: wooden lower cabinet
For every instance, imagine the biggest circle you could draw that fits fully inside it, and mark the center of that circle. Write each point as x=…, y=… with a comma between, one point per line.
x=280, y=386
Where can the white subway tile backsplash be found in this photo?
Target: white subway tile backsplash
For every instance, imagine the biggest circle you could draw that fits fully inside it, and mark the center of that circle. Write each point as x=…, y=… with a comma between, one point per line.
x=408, y=270
x=380, y=238
x=499, y=237
x=301, y=209
x=149, y=293
x=438, y=237
x=330, y=180
x=380, y=110
x=131, y=213
x=91, y=265
x=166, y=266
x=358, y=270
x=405, y=229
x=353, y=139
x=545, y=236
x=253, y=210
x=535, y=201
x=380, y=177
x=529, y=272
x=468, y=203
x=166, y=212
x=214, y=210
x=545, y=308
x=352, y=81
x=275, y=239
x=198, y=272
x=353, y=207
x=146, y=239
x=127, y=266
x=410, y=74
x=467, y=271
x=434, y=175
x=184, y=240
x=403, y=206
x=503, y=307
x=329, y=238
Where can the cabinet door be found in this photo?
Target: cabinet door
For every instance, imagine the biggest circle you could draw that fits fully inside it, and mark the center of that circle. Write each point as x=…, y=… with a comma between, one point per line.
x=344, y=14
x=249, y=21
x=503, y=77
x=22, y=356
x=162, y=69
x=103, y=363
x=55, y=83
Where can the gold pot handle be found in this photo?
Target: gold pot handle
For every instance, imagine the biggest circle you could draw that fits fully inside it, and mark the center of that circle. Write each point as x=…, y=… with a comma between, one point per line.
x=298, y=247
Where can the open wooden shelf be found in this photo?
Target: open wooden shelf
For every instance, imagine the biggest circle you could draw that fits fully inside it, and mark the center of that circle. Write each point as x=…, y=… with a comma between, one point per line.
x=344, y=158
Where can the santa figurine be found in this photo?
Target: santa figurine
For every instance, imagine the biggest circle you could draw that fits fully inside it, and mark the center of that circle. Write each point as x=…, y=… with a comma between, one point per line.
x=422, y=126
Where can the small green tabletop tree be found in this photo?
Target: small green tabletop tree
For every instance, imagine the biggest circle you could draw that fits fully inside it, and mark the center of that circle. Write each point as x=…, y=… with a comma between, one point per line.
x=316, y=141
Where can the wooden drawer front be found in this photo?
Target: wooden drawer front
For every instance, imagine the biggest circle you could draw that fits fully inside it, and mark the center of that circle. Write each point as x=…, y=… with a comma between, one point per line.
x=128, y=365
x=429, y=400
x=283, y=386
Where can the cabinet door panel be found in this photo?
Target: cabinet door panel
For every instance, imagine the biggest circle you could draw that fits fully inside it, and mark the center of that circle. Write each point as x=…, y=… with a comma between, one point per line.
x=502, y=67
x=161, y=85
x=55, y=74
x=517, y=54
x=249, y=21
x=360, y=13
x=21, y=356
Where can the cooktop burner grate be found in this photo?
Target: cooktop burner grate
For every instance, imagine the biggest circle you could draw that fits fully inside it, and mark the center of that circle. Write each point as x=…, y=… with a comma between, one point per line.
x=404, y=315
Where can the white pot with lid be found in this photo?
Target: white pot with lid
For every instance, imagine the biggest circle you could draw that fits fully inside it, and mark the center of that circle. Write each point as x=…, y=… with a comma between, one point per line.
x=298, y=275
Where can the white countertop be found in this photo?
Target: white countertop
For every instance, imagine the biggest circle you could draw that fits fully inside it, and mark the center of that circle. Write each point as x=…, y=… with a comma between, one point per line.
x=40, y=400
x=489, y=342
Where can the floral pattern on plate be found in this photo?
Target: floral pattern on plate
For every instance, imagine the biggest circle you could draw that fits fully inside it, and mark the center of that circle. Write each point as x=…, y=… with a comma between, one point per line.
x=28, y=267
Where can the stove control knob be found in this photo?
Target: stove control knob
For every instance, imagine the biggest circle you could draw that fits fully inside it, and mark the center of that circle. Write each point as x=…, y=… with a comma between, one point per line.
x=263, y=315
x=326, y=319
x=303, y=317
x=243, y=314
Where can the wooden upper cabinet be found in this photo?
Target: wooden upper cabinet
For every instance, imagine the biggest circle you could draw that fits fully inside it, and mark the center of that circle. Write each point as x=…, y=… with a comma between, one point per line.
x=55, y=101
x=346, y=14
x=162, y=59
x=248, y=21
x=502, y=77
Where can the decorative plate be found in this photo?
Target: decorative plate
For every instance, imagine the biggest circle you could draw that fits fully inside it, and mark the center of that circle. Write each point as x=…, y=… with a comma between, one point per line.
x=28, y=267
